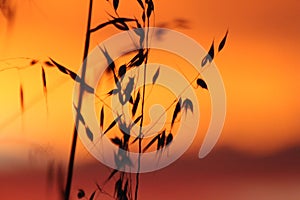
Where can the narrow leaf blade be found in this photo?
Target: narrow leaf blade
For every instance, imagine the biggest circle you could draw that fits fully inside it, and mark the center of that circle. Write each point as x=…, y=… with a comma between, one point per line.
x=22, y=98
x=92, y=195
x=155, y=76
x=112, y=124
x=169, y=139
x=44, y=80
x=117, y=141
x=222, y=43
x=102, y=117
x=116, y=4
x=188, y=105
x=211, y=51
x=176, y=111
x=201, y=83
x=136, y=103
x=156, y=138
x=89, y=134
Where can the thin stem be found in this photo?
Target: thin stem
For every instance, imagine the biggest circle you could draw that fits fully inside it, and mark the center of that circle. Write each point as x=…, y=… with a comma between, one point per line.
x=81, y=91
x=142, y=111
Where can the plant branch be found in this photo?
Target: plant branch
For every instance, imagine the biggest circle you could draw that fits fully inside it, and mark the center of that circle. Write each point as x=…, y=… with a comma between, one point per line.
x=81, y=91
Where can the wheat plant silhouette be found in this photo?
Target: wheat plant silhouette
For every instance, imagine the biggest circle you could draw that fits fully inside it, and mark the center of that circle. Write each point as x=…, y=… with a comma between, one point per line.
x=126, y=184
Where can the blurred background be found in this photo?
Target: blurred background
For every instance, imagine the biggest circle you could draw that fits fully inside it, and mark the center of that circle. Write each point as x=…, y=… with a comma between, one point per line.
x=258, y=153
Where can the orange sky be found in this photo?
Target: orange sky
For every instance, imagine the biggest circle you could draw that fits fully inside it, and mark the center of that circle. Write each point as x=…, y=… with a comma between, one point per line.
x=257, y=155
x=259, y=66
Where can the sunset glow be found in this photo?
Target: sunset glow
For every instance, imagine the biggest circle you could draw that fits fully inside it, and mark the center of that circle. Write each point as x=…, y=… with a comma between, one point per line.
x=259, y=66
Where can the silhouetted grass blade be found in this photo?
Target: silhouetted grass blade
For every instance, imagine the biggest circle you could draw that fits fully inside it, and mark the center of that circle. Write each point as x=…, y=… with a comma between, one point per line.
x=117, y=82
x=202, y=83
x=102, y=117
x=138, y=59
x=161, y=140
x=80, y=194
x=109, y=60
x=48, y=64
x=156, y=138
x=122, y=71
x=112, y=124
x=155, y=76
x=138, y=25
x=136, y=103
x=204, y=61
x=131, y=100
x=150, y=8
x=128, y=90
x=135, y=122
x=79, y=115
x=211, y=51
x=89, y=134
x=118, y=188
x=92, y=195
x=116, y=4
x=117, y=141
x=169, y=139
x=44, y=80
x=222, y=43
x=60, y=67
x=188, y=105
x=113, y=91
x=141, y=4
x=137, y=119
x=126, y=187
x=144, y=17
x=33, y=62
x=65, y=70
x=111, y=174
x=210, y=55
x=22, y=98
x=176, y=111
x=44, y=86
x=121, y=26
x=114, y=22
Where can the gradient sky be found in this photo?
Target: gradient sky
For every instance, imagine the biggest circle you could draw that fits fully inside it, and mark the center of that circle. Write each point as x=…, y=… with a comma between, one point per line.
x=259, y=66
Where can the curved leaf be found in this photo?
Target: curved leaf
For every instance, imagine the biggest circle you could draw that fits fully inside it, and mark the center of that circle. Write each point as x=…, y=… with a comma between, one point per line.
x=48, y=63
x=176, y=111
x=136, y=103
x=211, y=51
x=116, y=4
x=44, y=80
x=117, y=141
x=89, y=134
x=102, y=117
x=22, y=98
x=161, y=140
x=155, y=76
x=169, y=139
x=222, y=43
x=210, y=55
x=33, y=62
x=188, y=105
x=156, y=138
x=92, y=195
x=141, y=4
x=112, y=124
x=201, y=83
x=122, y=71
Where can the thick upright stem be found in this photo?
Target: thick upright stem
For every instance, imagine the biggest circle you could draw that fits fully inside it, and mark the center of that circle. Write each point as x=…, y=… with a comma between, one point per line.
x=81, y=91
